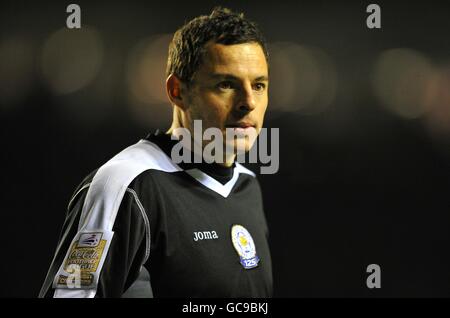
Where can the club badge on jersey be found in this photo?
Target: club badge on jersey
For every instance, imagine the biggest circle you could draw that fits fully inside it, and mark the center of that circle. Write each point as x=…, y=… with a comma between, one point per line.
x=244, y=246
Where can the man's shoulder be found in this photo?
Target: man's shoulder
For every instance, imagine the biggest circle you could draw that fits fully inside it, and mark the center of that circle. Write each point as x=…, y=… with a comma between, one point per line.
x=136, y=162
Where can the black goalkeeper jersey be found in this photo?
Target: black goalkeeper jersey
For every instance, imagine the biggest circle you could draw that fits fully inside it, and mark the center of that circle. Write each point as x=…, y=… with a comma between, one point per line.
x=143, y=226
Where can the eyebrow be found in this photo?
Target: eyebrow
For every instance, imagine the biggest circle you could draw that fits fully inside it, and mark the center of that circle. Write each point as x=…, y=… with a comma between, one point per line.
x=262, y=78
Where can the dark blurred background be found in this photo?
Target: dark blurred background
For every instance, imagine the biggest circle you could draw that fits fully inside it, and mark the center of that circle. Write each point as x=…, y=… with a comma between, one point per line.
x=364, y=119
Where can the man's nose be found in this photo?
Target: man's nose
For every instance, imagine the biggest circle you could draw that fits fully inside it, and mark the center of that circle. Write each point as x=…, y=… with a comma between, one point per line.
x=246, y=100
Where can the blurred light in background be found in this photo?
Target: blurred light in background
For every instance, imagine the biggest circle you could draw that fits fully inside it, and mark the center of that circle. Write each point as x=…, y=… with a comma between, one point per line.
x=71, y=59
x=438, y=118
x=404, y=81
x=145, y=71
x=16, y=70
x=302, y=79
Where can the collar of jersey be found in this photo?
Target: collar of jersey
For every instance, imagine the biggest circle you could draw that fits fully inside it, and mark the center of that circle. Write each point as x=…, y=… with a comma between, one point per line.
x=205, y=179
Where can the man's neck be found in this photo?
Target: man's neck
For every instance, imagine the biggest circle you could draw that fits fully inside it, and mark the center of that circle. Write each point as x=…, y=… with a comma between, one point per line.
x=227, y=160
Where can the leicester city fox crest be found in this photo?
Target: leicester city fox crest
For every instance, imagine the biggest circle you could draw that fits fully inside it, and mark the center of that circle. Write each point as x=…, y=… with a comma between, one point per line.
x=245, y=246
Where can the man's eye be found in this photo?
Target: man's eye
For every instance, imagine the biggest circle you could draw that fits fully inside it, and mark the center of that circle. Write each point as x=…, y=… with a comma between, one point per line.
x=259, y=86
x=225, y=85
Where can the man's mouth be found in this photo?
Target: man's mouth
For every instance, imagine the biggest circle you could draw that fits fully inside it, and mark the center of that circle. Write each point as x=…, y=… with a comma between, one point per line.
x=243, y=125
x=242, y=128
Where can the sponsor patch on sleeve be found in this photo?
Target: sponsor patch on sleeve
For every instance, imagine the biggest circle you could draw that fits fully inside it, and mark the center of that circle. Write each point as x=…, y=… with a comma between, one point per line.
x=84, y=260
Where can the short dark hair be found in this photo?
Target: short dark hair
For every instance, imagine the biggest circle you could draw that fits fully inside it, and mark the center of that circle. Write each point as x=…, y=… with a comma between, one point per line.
x=221, y=26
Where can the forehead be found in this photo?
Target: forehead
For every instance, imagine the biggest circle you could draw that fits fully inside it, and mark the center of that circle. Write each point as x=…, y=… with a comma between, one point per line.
x=246, y=59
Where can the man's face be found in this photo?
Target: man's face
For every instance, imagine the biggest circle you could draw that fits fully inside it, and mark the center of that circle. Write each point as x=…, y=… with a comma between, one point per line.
x=230, y=90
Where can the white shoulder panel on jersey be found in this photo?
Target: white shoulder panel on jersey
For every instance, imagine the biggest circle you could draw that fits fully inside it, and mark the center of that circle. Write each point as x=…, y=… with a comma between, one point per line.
x=112, y=179
x=79, y=273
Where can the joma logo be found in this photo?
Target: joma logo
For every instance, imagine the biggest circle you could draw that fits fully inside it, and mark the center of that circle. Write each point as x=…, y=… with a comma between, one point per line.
x=205, y=235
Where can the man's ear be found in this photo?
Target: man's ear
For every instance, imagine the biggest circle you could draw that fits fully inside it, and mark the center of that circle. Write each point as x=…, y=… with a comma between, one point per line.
x=174, y=91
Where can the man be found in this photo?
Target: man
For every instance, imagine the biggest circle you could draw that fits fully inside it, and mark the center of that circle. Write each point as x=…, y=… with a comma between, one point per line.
x=143, y=225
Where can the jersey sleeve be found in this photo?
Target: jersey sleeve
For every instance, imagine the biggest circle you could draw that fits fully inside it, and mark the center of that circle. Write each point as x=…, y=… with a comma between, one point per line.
x=101, y=262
